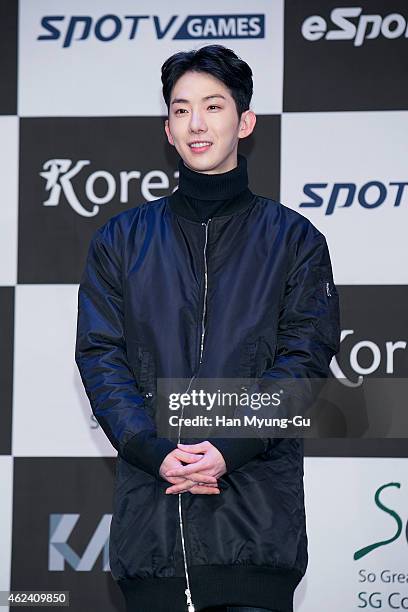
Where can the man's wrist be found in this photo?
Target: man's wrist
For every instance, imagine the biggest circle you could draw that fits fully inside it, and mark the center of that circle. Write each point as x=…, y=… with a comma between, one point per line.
x=238, y=451
x=147, y=452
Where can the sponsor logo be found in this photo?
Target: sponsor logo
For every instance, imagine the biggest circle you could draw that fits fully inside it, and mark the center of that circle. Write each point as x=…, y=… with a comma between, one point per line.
x=362, y=552
x=380, y=357
x=76, y=28
x=386, y=586
x=59, y=173
x=60, y=552
x=365, y=27
x=370, y=195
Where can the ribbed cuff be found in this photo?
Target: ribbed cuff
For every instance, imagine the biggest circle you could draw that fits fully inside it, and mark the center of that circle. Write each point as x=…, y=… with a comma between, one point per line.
x=237, y=451
x=146, y=451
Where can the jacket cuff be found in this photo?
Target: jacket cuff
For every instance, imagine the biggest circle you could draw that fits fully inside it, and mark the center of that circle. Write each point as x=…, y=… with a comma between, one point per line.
x=146, y=451
x=237, y=451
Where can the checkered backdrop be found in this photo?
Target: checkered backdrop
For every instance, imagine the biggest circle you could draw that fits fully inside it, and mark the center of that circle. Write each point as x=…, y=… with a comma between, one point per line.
x=82, y=138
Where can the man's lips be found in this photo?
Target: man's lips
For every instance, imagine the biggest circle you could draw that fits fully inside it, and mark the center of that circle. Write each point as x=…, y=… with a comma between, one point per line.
x=201, y=148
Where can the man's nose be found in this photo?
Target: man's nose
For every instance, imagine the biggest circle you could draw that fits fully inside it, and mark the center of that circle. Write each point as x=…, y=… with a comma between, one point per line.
x=197, y=122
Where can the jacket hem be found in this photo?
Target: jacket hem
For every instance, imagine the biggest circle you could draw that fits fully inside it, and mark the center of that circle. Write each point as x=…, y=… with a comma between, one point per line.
x=214, y=585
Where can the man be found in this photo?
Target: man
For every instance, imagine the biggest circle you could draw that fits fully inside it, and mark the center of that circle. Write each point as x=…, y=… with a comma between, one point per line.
x=212, y=281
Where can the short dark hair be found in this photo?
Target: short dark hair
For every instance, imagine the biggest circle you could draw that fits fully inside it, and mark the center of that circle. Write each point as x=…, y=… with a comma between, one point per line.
x=216, y=60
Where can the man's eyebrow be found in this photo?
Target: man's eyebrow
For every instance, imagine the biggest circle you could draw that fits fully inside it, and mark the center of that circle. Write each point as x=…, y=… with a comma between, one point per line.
x=184, y=101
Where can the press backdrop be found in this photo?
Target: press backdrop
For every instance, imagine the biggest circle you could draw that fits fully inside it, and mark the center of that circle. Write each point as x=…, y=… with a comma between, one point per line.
x=81, y=139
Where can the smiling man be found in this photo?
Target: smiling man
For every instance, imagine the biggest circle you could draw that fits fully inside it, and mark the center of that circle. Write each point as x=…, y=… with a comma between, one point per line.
x=212, y=281
x=205, y=127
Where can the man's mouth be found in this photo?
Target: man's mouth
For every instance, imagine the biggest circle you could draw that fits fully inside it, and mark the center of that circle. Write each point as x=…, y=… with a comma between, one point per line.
x=200, y=146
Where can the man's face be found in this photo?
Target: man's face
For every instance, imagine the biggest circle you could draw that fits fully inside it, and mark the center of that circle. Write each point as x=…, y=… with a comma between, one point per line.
x=202, y=109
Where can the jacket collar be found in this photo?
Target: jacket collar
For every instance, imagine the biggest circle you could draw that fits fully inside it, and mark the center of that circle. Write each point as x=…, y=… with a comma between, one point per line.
x=181, y=207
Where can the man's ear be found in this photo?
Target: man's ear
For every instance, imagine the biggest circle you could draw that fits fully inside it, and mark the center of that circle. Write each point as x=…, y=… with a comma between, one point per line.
x=168, y=134
x=247, y=123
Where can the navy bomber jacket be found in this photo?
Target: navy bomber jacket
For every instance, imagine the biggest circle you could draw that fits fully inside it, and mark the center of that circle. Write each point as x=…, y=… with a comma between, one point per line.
x=258, y=275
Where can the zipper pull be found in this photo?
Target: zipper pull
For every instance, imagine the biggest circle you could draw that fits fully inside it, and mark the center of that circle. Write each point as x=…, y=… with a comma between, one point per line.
x=190, y=605
x=328, y=289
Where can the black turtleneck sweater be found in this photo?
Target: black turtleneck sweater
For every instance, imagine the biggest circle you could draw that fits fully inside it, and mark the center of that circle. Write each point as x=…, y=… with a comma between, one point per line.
x=207, y=195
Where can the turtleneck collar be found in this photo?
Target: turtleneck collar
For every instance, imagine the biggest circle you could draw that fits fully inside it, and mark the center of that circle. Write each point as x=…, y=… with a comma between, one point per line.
x=202, y=196
x=213, y=186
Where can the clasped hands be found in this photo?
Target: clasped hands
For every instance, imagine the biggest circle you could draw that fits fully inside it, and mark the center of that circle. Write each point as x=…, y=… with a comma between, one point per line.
x=205, y=464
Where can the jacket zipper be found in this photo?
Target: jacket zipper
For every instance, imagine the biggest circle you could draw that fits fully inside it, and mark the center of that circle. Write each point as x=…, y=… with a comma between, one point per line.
x=190, y=605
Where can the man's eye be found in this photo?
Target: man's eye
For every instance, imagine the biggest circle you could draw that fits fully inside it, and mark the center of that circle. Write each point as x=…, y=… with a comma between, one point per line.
x=178, y=111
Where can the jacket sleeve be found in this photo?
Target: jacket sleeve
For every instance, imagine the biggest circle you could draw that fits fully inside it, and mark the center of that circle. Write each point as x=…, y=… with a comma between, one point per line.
x=100, y=354
x=308, y=336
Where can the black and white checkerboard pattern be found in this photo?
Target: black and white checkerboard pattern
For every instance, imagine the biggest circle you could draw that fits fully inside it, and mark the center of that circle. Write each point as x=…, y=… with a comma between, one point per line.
x=82, y=138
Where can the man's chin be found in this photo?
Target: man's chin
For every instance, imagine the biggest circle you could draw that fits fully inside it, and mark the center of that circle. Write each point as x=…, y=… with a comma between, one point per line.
x=200, y=165
x=206, y=163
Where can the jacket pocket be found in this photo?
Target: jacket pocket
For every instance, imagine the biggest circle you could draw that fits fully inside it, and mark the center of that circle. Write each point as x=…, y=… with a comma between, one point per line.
x=144, y=371
x=146, y=368
x=247, y=363
x=257, y=357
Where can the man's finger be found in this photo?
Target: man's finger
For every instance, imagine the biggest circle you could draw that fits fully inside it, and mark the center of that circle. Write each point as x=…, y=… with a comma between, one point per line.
x=180, y=487
x=204, y=489
x=200, y=447
x=202, y=477
x=174, y=479
x=197, y=477
x=187, y=470
x=194, y=488
x=186, y=456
